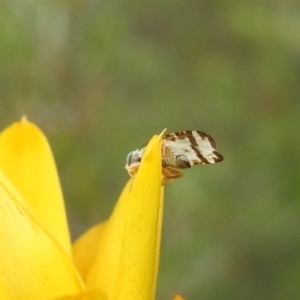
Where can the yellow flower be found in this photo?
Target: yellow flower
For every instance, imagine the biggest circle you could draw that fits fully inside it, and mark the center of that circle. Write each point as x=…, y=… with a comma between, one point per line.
x=115, y=260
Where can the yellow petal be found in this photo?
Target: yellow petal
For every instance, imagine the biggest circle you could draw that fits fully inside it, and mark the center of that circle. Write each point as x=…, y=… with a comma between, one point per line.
x=178, y=297
x=87, y=295
x=26, y=159
x=126, y=262
x=85, y=249
x=33, y=264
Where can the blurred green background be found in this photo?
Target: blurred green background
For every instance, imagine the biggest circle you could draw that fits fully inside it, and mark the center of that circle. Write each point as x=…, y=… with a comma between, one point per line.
x=101, y=77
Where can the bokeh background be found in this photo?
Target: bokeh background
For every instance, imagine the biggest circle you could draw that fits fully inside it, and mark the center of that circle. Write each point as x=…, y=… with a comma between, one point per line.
x=101, y=77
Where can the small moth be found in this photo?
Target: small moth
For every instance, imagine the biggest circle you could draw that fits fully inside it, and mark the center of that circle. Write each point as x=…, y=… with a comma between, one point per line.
x=180, y=150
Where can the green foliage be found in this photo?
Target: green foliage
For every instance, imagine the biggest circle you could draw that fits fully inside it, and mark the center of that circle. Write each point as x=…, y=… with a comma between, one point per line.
x=101, y=77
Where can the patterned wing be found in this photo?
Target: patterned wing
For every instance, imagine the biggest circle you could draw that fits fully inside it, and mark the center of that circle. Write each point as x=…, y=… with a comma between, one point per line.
x=197, y=146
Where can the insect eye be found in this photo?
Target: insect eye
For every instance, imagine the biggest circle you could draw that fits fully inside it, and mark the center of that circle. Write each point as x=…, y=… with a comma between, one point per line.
x=129, y=158
x=136, y=156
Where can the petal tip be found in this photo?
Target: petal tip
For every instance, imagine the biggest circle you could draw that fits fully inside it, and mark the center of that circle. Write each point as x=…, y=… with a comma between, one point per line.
x=24, y=119
x=163, y=132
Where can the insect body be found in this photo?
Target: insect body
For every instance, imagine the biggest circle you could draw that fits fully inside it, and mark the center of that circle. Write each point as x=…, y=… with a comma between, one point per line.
x=180, y=150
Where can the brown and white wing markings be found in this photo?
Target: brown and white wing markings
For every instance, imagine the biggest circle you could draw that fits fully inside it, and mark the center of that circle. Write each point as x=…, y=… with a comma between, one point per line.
x=180, y=150
x=197, y=146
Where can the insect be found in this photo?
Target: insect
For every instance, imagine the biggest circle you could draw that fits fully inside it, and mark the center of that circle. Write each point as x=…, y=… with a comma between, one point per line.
x=180, y=150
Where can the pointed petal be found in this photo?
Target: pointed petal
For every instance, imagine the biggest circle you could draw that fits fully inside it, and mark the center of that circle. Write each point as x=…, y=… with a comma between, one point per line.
x=33, y=263
x=126, y=263
x=26, y=159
